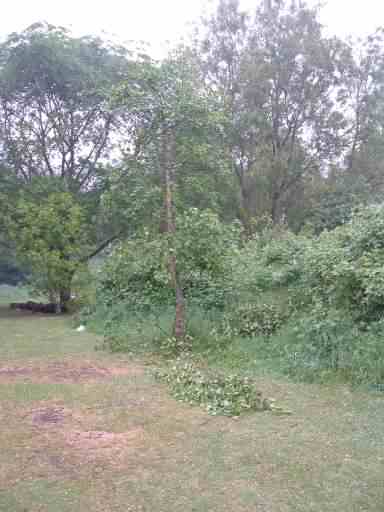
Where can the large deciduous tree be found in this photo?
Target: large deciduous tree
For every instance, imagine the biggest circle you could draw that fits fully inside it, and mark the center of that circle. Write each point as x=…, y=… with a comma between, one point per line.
x=362, y=98
x=358, y=178
x=277, y=76
x=55, y=120
x=57, y=129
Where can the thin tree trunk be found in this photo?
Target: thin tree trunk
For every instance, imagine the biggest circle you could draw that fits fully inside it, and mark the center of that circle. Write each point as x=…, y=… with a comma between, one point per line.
x=275, y=213
x=244, y=218
x=180, y=321
x=169, y=226
x=244, y=208
x=65, y=297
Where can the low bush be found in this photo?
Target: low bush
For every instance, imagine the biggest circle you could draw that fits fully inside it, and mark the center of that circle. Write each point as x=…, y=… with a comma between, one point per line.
x=266, y=264
x=260, y=319
x=169, y=346
x=323, y=346
x=343, y=269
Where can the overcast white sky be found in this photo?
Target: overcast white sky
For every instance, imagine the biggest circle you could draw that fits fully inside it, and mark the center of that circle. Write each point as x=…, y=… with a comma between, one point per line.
x=159, y=20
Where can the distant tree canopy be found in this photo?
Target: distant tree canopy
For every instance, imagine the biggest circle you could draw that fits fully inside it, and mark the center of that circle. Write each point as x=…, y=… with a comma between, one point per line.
x=55, y=120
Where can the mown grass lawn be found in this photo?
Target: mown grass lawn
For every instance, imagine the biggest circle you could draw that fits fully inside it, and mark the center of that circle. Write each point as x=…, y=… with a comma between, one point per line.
x=87, y=431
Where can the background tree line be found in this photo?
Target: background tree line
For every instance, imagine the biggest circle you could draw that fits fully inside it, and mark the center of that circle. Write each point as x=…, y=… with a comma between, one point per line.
x=261, y=119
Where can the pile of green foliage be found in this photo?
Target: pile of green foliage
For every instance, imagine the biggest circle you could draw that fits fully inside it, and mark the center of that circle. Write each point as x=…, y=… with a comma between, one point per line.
x=229, y=395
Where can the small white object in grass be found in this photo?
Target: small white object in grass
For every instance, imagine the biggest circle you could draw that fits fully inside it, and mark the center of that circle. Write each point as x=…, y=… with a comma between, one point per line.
x=81, y=328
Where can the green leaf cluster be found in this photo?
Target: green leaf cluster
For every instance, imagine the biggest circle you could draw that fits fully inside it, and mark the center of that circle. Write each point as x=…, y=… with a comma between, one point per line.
x=51, y=237
x=137, y=270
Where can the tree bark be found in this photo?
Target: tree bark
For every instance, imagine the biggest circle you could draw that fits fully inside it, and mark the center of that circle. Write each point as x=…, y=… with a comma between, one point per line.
x=64, y=298
x=168, y=155
x=179, y=326
x=275, y=208
x=245, y=213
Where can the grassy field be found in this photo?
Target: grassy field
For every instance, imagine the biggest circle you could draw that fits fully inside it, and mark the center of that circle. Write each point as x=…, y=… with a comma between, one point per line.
x=87, y=431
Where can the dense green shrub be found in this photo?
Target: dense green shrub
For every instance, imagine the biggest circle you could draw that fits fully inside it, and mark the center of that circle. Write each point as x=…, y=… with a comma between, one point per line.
x=343, y=269
x=137, y=272
x=267, y=263
x=315, y=305
x=254, y=319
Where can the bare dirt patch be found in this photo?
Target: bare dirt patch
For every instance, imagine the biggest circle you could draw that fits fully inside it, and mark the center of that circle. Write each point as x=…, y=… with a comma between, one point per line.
x=56, y=441
x=64, y=372
x=48, y=415
x=77, y=450
x=110, y=446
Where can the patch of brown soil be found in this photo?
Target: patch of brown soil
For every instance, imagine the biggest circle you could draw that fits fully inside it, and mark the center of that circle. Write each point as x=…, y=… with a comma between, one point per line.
x=48, y=415
x=51, y=414
x=14, y=372
x=96, y=442
x=86, y=450
x=57, y=441
x=121, y=372
x=64, y=372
